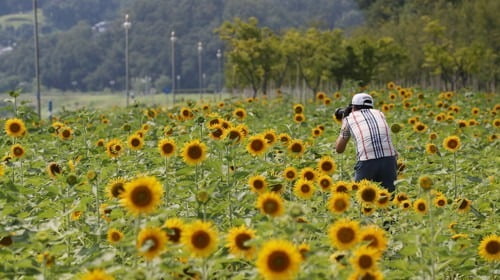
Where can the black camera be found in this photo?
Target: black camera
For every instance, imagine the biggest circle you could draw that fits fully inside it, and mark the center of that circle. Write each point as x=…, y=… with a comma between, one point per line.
x=341, y=113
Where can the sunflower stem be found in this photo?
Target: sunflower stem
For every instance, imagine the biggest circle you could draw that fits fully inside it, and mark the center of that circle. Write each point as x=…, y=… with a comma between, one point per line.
x=431, y=247
x=455, y=173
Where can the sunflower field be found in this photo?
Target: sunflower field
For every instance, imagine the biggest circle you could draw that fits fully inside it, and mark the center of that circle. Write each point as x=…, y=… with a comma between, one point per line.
x=251, y=189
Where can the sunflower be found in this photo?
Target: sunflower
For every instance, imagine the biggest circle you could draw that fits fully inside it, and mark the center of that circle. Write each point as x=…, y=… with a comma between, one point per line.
x=440, y=201
x=217, y=132
x=15, y=128
x=365, y=259
x=200, y=239
x=142, y=195
x=304, y=189
x=298, y=109
x=325, y=182
x=489, y=248
x=114, y=236
x=371, y=275
x=299, y=118
x=114, y=148
x=327, y=101
x=304, y=250
x=66, y=133
x=46, y=259
x=2, y=170
x=296, y=147
x=284, y=138
x=290, y=173
x=431, y=148
x=270, y=136
x=214, y=122
x=451, y=143
x=234, y=135
x=316, y=132
x=308, y=173
x=115, y=188
x=400, y=197
x=384, y=198
x=344, y=234
x=341, y=186
x=257, y=183
x=419, y=127
x=240, y=113
x=167, y=147
x=151, y=242
x=496, y=122
x=464, y=205
x=75, y=215
x=100, y=143
x=405, y=204
x=175, y=228
x=433, y=136
x=194, y=152
x=236, y=242
x=339, y=202
x=257, y=145
x=96, y=274
x=17, y=151
x=420, y=206
x=367, y=209
x=425, y=182
x=368, y=192
x=374, y=237
x=270, y=203
x=278, y=260
x=135, y=142
x=462, y=123
x=320, y=95
x=54, y=169
x=327, y=165
x=186, y=113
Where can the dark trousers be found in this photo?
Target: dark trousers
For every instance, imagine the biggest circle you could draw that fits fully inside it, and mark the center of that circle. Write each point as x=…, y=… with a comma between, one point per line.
x=382, y=170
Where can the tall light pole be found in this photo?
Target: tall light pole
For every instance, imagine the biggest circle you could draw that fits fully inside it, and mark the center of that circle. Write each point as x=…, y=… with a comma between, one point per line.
x=172, y=40
x=200, y=49
x=219, y=60
x=37, y=60
x=127, y=24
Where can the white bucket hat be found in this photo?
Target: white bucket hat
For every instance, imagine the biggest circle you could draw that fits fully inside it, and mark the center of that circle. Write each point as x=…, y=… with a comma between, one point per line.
x=361, y=99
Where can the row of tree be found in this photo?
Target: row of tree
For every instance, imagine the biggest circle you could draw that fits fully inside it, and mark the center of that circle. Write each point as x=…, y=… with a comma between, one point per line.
x=447, y=44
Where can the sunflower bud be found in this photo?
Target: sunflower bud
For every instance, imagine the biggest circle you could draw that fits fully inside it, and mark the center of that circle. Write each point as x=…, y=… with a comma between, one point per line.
x=202, y=196
x=72, y=179
x=395, y=128
x=126, y=127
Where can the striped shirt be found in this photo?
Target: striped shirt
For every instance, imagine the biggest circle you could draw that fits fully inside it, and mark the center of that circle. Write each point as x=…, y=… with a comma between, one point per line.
x=371, y=134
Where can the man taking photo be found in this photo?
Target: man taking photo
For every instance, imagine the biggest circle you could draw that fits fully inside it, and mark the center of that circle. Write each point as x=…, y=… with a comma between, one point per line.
x=375, y=153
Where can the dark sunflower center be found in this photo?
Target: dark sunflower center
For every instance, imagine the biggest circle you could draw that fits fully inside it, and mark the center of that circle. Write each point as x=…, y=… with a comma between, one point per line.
x=270, y=138
x=6, y=241
x=305, y=188
x=270, y=206
x=18, y=151
x=383, y=199
x=185, y=113
x=258, y=184
x=217, y=133
x=441, y=202
x=421, y=206
x=278, y=261
x=298, y=118
x=492, y=247
x=339, y=204
x=326, y=166
x=115, y=236
x=240, y=114
x=341, y=188
x=55, y=168
x=241, y=239
x=463, y=204
x=296, y=148
x=175, y=236
x=15, y=127
x=324, y=183
x=234, y=135
x=141, y=196
x=154, y=242
x=135, y=142
x=309, y=176
x=290, y=174
x=195, y=152
x=298, y=110
x=66, y=133
x=452, y=144
x=345, y=235
x=200, y=239
x=368, y=195
x=420, y=127
x=372, y=240
x=117, y=148
x=117, y=189
x=365, y=262
x=167, y=148
x=257, y=145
